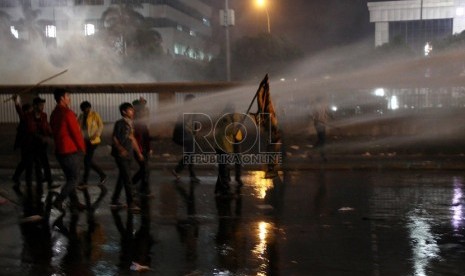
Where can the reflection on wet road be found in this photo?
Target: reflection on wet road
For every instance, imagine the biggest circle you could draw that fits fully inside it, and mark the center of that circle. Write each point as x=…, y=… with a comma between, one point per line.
x=300, y=223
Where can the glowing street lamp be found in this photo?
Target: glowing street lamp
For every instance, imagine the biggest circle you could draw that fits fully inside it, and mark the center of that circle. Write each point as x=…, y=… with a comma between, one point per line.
x=263, y=4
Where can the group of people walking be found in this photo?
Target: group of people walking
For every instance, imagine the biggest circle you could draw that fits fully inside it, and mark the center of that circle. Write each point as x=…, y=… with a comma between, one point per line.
x=75, y=141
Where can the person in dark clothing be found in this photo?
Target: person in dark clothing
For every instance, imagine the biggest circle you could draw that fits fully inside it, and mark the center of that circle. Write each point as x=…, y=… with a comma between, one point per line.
x=91, y=127
x=189, y=131
x=39, y=142
x=34, y=143
x=69, y=147
x=124, y=144
x=320, y=117
x=227, y=137
x=142, y=136
x=20, y=136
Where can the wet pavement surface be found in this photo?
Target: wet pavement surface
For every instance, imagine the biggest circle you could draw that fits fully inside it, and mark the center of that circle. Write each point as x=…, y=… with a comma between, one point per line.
x=311, y=222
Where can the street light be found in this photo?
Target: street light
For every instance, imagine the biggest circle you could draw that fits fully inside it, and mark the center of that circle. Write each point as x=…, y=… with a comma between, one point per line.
x=263, y=4
x=227, y=20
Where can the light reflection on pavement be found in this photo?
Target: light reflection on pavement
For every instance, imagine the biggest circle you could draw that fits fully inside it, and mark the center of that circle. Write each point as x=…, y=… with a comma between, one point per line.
x=301, y=223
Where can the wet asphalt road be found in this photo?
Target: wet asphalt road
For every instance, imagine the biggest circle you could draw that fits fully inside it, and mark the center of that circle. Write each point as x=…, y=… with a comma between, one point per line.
x=301, y=223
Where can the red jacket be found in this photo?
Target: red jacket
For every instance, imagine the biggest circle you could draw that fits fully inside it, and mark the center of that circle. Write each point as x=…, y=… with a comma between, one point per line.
x=31, y=130
x=66, y=131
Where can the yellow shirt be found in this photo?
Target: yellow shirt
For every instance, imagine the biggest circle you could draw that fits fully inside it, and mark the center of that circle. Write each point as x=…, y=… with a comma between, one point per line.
x=94, y=127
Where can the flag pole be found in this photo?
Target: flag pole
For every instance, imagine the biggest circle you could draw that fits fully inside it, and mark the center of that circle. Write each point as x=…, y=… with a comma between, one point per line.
x=256, y=94
x=265, y=79
x=37, y=84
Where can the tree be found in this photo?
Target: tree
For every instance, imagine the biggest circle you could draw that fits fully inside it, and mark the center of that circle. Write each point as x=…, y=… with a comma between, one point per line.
x=129, y=33
x=133, y=37
x=451, y=42
x=30, y=25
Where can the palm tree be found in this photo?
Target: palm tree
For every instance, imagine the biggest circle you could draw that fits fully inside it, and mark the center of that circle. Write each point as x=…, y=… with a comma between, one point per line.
x=29, y=24
x=129, y=32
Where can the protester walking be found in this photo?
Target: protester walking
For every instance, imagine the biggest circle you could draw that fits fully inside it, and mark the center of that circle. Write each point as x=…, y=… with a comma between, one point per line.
x=20, y=139
x=41, y=128
x=320, y=117
x=142, y=136
x=69, y=147
x=225, y=133
x=34, y=144
x=124, y=143
x=91, y=126
x=188, y=132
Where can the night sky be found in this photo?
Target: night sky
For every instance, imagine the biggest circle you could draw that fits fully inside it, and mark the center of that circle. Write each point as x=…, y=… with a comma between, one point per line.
x=311, y=24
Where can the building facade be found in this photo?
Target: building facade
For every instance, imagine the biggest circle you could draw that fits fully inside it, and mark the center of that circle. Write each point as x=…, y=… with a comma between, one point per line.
x=416, y=22
x=184, y=25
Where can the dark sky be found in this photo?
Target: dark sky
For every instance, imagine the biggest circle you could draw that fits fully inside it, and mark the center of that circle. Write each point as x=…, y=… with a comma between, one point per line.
x=311, y=24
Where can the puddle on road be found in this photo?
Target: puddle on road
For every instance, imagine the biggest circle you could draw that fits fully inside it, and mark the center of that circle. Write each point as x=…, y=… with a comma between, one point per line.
x=319, y=223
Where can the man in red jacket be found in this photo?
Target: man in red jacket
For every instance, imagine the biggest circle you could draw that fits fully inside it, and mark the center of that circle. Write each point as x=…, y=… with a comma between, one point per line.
x=69, y=146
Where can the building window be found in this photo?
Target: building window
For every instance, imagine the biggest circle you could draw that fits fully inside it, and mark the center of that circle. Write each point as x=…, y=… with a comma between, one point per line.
x=88, y=2
x=89, y=29
x=15, y=3
x=53, y=3
x=417, y=33
x=51, y=31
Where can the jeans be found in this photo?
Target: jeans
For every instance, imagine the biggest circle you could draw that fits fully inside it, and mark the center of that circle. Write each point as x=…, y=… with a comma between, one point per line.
x=124, y=180
x=222, y=182
x=43, y=160
x=70, y=164
x=142, y=175
x=90, y=164
x=188, y=148
x=32, y=163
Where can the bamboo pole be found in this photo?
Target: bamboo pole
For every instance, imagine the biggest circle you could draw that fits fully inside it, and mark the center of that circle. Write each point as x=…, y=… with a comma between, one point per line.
x=37, y=84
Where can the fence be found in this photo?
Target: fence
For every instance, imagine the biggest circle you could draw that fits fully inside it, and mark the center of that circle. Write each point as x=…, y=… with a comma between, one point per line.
x=105, y=99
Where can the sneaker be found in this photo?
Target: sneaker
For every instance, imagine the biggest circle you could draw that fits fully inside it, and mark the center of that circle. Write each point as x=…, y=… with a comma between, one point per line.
x=103, y=179
x=175, y=174
x=82, y=186
x=117, y=205
x=134, y=207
